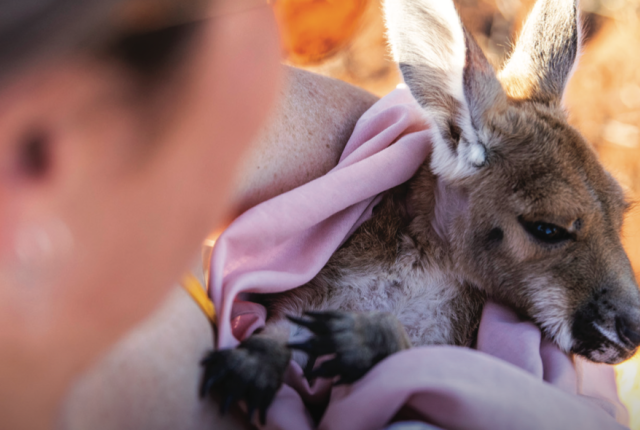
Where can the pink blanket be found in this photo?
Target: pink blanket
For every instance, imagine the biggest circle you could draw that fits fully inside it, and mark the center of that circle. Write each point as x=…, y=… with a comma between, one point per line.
x=515, y=380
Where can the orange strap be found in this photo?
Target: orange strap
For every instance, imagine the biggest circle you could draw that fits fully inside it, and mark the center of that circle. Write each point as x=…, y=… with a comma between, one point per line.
x=195, y=289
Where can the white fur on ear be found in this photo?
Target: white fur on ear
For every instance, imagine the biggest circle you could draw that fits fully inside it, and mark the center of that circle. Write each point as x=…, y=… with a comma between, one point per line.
x=458, y=163
x=428, y=41
x=434, y=32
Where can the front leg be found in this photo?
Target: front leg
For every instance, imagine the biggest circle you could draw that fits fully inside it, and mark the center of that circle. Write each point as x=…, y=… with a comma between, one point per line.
x=253, y=372
x=358, y=340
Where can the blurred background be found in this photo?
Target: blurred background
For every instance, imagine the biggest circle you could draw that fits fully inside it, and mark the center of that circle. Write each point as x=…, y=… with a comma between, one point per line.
x=345, y=39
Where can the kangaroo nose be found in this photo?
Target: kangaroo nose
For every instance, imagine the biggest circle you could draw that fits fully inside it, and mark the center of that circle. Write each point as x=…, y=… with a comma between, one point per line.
x=628, y=332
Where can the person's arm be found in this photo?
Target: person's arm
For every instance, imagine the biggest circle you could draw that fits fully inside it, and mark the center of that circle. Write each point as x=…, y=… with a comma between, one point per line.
x=149, y=380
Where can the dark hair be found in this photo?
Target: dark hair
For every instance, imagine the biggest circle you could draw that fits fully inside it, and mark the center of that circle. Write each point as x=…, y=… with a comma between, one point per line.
x=144, y=35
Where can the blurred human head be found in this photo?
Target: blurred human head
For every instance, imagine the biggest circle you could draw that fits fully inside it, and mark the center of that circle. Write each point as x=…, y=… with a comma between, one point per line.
x=121, y=122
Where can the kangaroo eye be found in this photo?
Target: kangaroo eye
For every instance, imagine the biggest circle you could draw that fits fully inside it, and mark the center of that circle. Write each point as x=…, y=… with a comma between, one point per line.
x=546, y=232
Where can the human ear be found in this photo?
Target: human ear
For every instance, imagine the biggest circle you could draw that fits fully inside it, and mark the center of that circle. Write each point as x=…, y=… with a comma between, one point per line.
x=45, y=149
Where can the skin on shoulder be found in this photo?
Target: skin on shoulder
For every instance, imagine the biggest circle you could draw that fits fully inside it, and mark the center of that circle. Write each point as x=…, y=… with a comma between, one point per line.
x=149, y=380
x=303, y=139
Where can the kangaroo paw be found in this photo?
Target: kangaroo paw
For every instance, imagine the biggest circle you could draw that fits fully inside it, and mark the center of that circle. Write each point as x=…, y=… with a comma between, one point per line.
x=253, y=372
x=359, y=341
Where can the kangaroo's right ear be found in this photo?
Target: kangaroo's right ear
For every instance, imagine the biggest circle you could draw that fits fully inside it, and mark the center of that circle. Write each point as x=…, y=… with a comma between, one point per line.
x=448, y=75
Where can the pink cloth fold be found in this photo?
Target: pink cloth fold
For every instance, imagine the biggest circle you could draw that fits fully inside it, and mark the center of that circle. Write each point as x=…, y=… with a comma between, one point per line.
x=516, y=379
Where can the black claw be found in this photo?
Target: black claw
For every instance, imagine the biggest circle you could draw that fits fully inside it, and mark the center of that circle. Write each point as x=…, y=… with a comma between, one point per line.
x=212, y=375
x=264, y=405
x=251, y=410
x=208, y=381
x=205, y=387
x=298, y=320
x=232, y=390
x=316, y=346
x=324, y=315
x=328, y=369
x=308, y=369
x=252, y=400
x=263, y=416
x=302, y=346
x=315, y=326
x=343, y=380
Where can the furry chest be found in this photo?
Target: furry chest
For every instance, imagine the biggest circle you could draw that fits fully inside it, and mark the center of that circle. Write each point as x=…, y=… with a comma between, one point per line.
x=427, y=303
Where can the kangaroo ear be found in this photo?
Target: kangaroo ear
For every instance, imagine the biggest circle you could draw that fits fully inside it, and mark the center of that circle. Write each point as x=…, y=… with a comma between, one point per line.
x=456, y=86
x=545, y=54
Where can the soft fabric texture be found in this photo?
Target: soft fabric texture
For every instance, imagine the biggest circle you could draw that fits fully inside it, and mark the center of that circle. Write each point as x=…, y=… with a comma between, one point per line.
x=284, y=242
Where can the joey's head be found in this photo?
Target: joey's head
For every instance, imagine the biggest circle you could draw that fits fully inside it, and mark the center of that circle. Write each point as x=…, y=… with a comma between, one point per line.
x=537, y=219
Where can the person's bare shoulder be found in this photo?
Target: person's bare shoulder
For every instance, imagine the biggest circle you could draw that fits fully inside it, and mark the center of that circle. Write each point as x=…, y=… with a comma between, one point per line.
x=310, y=126
x=149, y=380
